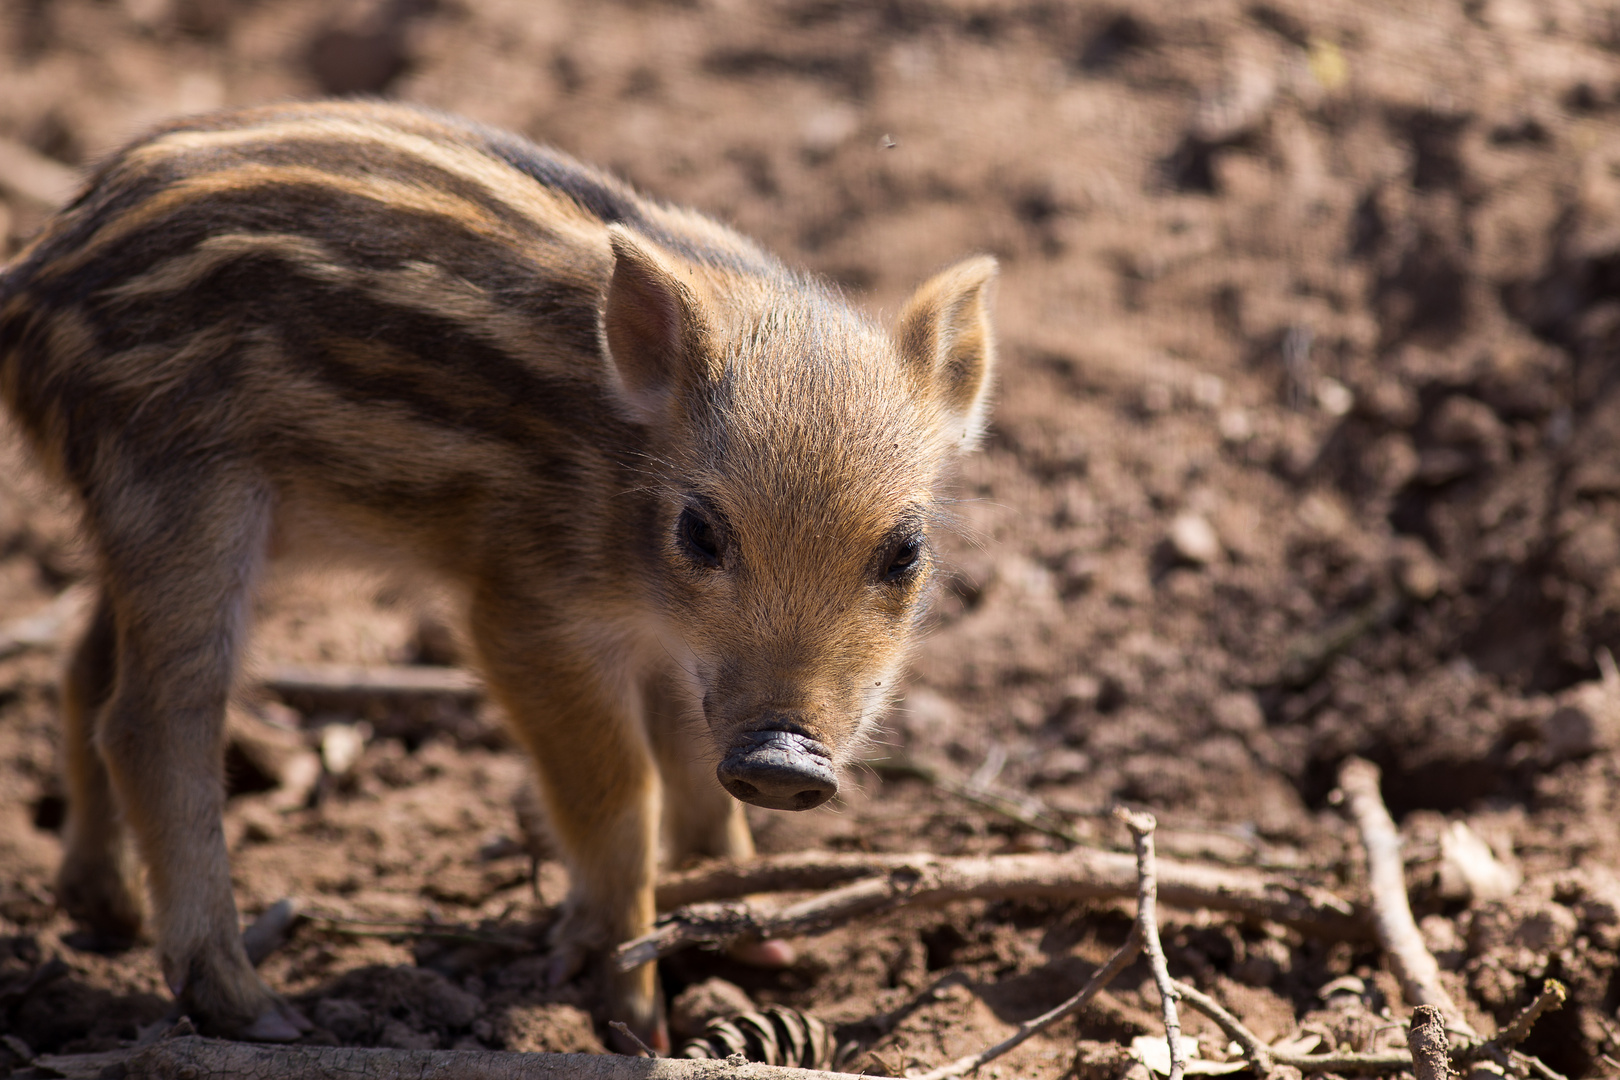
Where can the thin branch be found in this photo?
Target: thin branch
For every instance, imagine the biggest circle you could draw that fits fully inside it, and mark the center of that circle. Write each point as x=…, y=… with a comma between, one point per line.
x=1538, y=1067
x=1259, y=1054
x=800, y=871
x=1265, y=1058
x=47, y=629
x=624, y=1029
x=1409, y=958
x=1552, y=996
x=1427, y=1040
x=1102, y=977
x=1142, y=825
x=885, y=882
x=347, y=680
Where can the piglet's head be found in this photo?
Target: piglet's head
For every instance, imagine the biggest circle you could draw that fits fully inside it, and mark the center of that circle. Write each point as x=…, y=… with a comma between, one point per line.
x=798, y=454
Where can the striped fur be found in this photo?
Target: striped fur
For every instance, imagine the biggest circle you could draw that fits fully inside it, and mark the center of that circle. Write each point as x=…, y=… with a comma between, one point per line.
x=683, y=491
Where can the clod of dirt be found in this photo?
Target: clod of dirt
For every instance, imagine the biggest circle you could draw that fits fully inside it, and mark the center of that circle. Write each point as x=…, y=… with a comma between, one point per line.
x=405, y=1008
x=1520, y=934
x=364, y=49
x=551, y=1028
x=1102, y=1061
x=701, y=1002
x=1586, y=720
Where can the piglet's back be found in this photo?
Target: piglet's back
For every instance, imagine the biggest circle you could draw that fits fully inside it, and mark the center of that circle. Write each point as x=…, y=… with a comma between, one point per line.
x=406, y=300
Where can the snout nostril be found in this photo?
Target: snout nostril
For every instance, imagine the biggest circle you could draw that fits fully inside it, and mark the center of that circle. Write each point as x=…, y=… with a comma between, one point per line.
x=779, y=770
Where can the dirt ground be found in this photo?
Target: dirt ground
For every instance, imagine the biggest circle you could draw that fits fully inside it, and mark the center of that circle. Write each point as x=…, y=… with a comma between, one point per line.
x=1307, y=444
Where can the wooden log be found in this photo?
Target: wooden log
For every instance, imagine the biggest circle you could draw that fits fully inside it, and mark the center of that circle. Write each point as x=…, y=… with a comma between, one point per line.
x=193, y=1058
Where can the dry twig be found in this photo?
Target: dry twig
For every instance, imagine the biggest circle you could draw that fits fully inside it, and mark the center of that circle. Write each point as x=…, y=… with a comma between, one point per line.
x=1258, y=1053
x=1409, y=957
x=1265, y=1058
x=885, y=882
x=624, y=1030
x=1552, y=996
x=349, y=680
x=1144, y=935
x=1094, y=985
x=1428, y=1042
x=48, y=628
x=1142, y=825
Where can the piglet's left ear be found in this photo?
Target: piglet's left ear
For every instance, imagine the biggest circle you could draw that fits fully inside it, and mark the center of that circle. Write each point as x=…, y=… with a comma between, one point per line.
x=944, y=333
x=653, y=326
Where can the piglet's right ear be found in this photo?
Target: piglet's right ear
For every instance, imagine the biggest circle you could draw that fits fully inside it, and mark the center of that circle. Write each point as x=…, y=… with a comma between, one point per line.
x=944, y=334
x=653, y=326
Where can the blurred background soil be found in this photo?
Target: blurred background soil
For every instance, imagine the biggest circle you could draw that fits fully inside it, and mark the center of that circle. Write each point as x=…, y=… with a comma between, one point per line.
x=1307, y=444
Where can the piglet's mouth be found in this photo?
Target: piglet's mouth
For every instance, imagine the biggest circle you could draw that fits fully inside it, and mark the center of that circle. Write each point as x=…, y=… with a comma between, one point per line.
x=779, y=770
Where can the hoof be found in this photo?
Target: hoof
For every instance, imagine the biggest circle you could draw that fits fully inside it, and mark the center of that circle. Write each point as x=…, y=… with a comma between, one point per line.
x=279, y=1023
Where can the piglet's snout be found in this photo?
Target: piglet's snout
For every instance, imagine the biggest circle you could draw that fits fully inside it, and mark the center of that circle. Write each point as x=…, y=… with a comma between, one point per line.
x=779, y=770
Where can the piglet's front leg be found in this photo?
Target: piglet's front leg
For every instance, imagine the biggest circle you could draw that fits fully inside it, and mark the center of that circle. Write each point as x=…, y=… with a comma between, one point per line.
x=600, y=788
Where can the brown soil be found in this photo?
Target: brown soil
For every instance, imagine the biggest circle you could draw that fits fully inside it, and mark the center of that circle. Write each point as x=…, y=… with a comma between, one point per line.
x=1307, y=445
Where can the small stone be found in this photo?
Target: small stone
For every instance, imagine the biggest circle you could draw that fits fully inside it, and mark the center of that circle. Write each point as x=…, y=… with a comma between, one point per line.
x=1080, y=692
x=1235, y=426
x=342, y=745
x=1194, y=539
x=1470, y=870
x=1334, y=397
x=1418, y=572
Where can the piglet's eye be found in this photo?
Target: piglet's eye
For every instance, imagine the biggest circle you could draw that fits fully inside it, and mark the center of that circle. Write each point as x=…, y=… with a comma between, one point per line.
x=698, y=537
x=903, y=558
